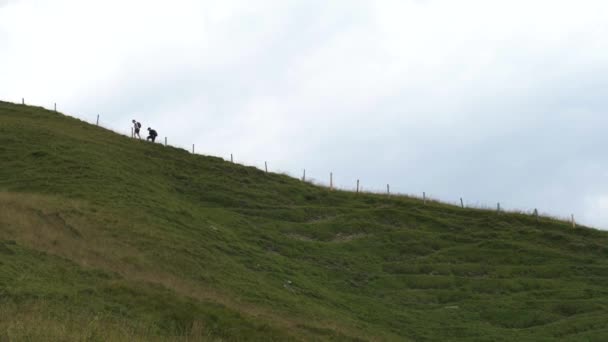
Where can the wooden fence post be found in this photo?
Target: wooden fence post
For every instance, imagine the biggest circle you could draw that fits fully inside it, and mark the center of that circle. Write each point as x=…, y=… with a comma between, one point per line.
x=266, y=166
x=573, y=222
x=231, y=159
x=461, y=203
x=304, y=176
x=22, y=101
x=331, y=181
x=498, y=208
x=165, y=141
x=192, y=148
x=55, y=106
x=132, y=133
x=357, y=186
x=97, y=122
x=536, y=214
x=424, y=197
x=388, y=190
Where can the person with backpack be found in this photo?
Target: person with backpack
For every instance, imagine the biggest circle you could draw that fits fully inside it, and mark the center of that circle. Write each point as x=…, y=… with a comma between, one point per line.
x=151, y=134
x=136, y=127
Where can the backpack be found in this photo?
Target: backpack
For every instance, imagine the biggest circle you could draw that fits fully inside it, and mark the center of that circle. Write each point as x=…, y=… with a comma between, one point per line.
x=138, y=125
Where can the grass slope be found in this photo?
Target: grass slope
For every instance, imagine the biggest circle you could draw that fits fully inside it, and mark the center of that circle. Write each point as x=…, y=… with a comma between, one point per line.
x=107, y=238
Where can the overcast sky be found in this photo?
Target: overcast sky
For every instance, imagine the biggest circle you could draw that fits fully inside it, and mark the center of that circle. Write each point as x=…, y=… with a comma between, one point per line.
x=488, y=100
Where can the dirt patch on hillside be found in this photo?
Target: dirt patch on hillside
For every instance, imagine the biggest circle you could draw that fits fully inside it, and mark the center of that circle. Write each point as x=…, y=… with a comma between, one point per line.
x=338, y=238
x=299, y=237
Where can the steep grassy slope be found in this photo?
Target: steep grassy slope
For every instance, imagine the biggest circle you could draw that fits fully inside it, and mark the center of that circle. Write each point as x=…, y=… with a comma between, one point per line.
x=104, y=237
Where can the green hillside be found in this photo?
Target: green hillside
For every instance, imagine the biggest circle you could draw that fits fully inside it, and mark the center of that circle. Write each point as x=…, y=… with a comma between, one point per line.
x=103, y=237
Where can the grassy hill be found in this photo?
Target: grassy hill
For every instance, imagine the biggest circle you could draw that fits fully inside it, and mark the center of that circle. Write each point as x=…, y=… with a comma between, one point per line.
x=103, y=237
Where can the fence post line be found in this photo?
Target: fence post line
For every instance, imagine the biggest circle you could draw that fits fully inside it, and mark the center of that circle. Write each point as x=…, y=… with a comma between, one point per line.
x=461, y=203
x=132, y=133
x=388, y=190
x=357, y=186
x=498, y=208
x=536, y=214
x=55, y=106
x=424, y=197
x=231, y=159
x=266, y=166
x=304, y=176
x=165, y=141
x=97, y=122
x=192, y=148
x=22, y=101
x=331, y=181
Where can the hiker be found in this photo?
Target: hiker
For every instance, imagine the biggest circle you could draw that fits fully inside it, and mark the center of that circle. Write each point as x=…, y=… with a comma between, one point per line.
x=136, y=127
x=151, y=134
